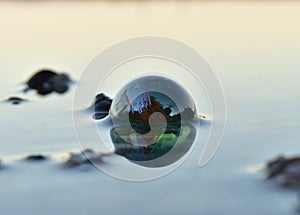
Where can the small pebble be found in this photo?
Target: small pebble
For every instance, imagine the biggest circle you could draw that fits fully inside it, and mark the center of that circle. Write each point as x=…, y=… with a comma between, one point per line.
x=15, y=100
x=36, y=158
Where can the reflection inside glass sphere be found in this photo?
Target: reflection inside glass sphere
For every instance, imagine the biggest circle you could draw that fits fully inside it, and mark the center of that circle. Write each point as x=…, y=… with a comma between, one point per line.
x=153, y=120
x=148, y=103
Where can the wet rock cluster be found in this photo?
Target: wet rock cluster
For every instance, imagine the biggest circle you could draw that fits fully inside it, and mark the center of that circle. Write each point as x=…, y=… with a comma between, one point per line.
x=286, y=170
x=86, y=157
x=47, y=81
x=44, y=82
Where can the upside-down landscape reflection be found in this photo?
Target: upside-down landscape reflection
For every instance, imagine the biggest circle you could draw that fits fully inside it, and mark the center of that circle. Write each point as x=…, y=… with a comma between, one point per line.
x=149, y=124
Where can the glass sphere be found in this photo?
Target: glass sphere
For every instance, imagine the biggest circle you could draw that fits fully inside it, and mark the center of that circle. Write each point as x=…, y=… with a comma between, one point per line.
x=149, y=114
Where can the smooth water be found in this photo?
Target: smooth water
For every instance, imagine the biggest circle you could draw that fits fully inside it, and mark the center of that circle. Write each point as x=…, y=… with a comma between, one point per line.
x=253, y=48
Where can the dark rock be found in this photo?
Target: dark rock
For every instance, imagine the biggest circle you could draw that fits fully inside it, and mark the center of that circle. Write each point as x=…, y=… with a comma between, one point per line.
x=39, y=81
x=47, y=81
x=15, y=100
x=60, y=83
x=287, y=170
x=100, y=115
x=101, y=106
x=87, y=157
x=36, y=158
